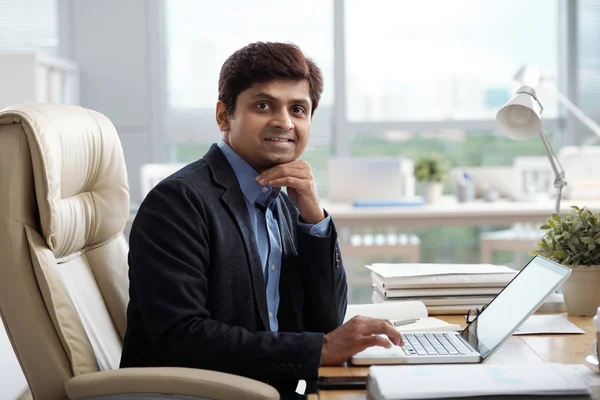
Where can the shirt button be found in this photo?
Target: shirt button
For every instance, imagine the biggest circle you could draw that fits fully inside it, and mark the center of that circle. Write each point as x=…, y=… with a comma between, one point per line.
x=272, y=267
x=270, y=315
x=264, y=190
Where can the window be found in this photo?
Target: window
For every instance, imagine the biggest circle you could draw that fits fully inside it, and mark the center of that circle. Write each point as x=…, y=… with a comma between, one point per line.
x=443, y=60
x=28, y=25
x=200, y=38
x=588, y=67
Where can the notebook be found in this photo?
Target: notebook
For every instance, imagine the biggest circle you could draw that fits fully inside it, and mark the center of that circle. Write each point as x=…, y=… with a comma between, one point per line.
x=401, y=310
x=481, y=381
x=486, y=333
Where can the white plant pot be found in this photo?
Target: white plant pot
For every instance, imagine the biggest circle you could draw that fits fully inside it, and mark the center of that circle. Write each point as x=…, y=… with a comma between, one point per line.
x=433, y=192
x=581, y=291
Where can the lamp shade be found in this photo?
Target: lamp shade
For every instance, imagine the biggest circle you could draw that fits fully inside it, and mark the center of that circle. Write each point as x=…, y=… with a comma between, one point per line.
x=521, y=117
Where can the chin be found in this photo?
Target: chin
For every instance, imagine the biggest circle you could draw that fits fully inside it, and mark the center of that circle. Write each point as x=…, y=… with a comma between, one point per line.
x=276, y=160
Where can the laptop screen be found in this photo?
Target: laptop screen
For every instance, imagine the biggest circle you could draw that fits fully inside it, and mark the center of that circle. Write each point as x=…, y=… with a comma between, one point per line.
x=517, y=301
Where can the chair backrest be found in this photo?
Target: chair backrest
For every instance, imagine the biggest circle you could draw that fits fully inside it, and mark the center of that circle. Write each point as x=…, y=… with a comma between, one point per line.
x=63, y=260
x=152, y=174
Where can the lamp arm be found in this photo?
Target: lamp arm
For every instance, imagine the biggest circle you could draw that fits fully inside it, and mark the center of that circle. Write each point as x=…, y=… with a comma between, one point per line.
x=559, y=172
x=576, y=111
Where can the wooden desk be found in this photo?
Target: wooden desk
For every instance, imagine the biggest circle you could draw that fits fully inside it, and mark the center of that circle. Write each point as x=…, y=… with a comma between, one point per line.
x=526, y=349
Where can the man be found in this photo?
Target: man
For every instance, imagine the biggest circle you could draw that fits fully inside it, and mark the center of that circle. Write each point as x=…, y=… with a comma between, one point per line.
x=226, y=271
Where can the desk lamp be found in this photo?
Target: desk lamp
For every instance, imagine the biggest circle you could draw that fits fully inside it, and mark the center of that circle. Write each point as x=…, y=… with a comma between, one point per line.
x=521, y=119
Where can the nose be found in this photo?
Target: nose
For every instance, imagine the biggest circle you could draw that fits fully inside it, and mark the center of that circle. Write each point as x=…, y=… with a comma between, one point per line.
x=282, y=120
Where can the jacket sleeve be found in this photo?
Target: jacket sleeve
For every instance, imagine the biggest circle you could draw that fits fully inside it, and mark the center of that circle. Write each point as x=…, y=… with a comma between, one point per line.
x=325, y=286
x=169, y=273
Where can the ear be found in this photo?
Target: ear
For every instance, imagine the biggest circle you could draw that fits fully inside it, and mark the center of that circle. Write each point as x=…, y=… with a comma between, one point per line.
x=222, y=117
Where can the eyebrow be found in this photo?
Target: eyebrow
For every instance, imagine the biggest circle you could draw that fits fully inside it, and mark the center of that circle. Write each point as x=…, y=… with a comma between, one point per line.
x=263, y=95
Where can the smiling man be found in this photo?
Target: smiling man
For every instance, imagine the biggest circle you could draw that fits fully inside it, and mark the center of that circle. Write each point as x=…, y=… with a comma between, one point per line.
x=229, y=273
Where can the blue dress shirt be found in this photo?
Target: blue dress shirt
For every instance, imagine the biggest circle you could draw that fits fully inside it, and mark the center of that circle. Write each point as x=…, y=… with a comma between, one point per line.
x=260, y=202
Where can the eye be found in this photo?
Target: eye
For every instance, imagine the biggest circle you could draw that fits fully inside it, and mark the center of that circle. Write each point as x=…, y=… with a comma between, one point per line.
x=298, y=110
x=263, y=106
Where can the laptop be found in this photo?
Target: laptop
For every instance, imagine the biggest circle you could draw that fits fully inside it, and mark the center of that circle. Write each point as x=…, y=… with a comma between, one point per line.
x=487, y=332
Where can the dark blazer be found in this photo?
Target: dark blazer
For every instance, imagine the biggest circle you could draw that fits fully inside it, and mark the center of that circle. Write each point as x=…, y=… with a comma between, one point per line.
x=197, y=292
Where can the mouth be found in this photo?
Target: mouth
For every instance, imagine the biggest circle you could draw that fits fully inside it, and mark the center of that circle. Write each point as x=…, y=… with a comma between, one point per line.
x=280, y=140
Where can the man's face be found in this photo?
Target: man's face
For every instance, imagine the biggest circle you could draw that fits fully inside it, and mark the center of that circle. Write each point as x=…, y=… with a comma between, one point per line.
x=271, y=122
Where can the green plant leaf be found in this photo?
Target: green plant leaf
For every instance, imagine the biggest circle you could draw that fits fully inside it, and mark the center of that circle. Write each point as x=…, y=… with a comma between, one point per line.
x=573, y=238
x=559, y=255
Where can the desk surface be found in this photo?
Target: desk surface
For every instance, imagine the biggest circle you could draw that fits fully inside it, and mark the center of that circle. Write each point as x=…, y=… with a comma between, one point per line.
x=526, y=349
x=450, y=212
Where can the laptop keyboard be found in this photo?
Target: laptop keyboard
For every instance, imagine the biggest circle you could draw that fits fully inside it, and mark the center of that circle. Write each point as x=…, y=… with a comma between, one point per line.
x=423, y=344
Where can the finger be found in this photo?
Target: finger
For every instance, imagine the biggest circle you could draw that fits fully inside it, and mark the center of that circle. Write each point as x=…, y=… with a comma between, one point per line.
x=394, y=336
x=301, y=185
x=381, y=326
x=265, y=179
x=375, y=340
x=296, y=169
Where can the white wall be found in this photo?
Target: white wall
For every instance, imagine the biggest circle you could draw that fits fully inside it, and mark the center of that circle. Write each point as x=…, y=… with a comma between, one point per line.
x=113, y=43
x=12, y=380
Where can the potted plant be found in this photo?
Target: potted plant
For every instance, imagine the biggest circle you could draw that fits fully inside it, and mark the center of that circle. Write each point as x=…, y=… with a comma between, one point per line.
x=431, y=170
x=573, y=240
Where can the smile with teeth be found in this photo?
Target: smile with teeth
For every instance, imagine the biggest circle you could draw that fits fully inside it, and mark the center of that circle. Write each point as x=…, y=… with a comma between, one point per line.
x=282, y=140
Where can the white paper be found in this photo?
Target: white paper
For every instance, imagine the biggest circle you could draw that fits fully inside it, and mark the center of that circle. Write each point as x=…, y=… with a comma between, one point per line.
x=400, y=310
x=405, y=270
x=429, y=324
x=394, y=310
x=446, y=381
x=443, y=281
x=547, y=323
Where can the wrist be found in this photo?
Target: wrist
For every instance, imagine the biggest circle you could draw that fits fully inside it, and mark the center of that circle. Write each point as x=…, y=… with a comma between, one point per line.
x=312, y=218
x=323, y=351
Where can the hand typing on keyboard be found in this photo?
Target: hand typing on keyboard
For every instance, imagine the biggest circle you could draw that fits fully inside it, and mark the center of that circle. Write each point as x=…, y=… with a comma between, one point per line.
x=355, y=336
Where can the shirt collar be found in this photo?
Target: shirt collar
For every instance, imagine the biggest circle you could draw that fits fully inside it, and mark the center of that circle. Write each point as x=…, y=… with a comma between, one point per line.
x=245, y=175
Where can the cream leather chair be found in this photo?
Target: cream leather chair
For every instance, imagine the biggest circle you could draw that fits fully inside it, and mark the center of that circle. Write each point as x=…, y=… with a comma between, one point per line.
x=64, y=201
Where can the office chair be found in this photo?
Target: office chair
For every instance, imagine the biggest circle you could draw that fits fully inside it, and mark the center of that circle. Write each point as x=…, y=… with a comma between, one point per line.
x=64, y=201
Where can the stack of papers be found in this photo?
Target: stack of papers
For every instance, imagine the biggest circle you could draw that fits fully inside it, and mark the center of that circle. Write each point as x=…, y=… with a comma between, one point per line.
x=443, y=288
x=546, y=381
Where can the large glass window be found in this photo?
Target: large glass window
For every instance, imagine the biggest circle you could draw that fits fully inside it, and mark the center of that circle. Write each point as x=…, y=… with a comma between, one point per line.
x=443, y=60
x=588, y=71
x=200, y=37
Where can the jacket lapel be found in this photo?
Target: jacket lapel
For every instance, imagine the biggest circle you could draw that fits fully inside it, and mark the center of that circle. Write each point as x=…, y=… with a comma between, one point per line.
x=233, y=201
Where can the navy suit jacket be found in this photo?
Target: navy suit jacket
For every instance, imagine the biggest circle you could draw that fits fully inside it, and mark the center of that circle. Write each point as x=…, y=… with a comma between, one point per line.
x=197, y=292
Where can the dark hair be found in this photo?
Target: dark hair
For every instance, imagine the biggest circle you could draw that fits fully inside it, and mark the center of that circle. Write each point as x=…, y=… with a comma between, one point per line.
x=262, y=62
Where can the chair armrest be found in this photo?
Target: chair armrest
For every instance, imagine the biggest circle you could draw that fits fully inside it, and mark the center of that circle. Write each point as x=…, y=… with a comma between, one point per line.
x=169, y=380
